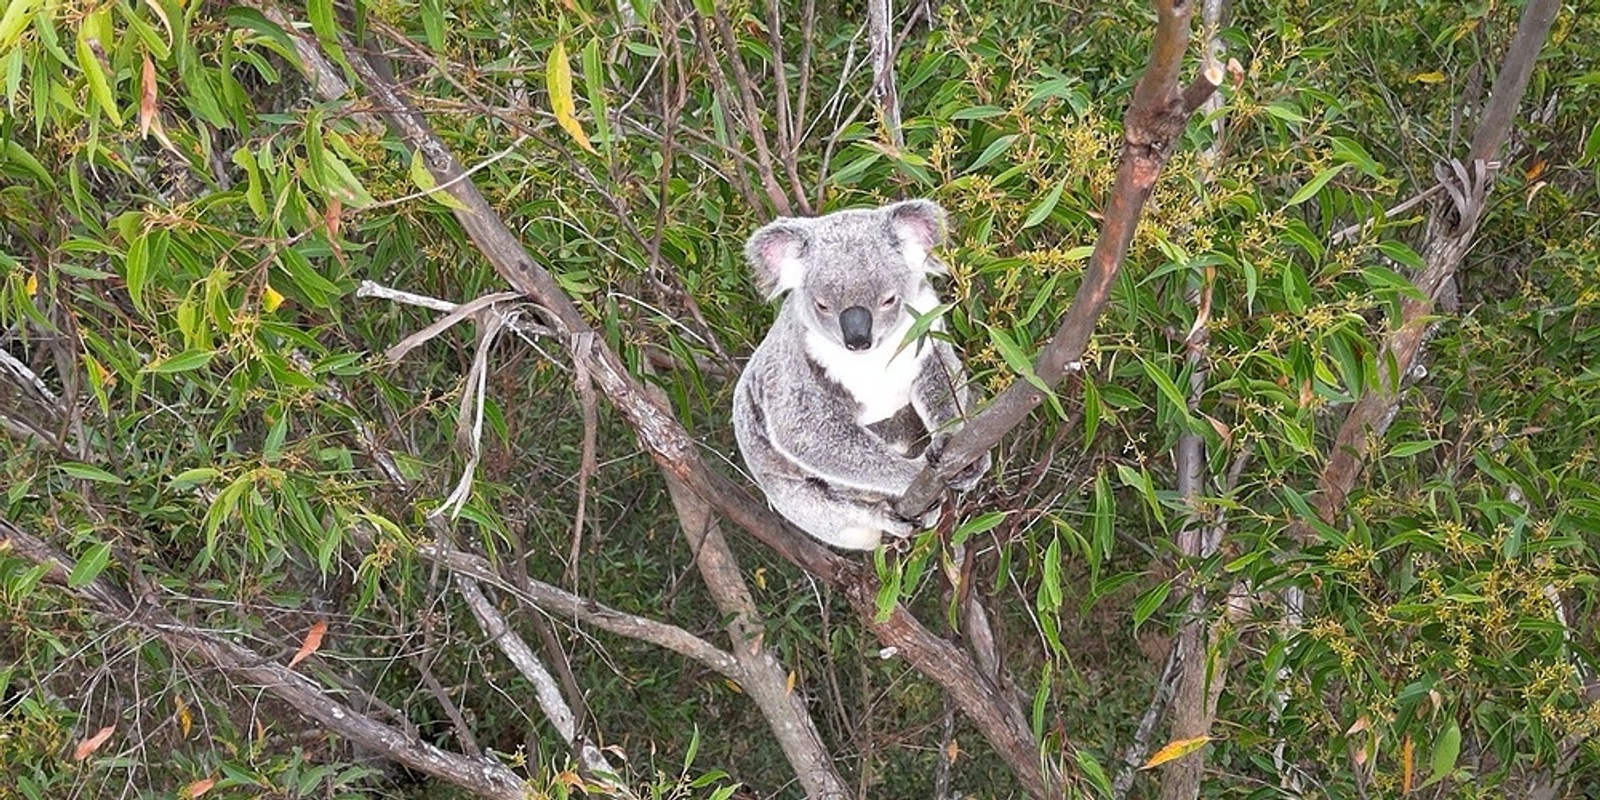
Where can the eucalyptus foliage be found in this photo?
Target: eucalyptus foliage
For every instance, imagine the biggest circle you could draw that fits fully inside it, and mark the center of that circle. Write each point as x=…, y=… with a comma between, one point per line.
x=184, y=223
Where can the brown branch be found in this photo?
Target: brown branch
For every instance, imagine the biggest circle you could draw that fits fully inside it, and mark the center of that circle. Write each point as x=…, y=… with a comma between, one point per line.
x=788, y=150
x=1449, y=235
x=752, y=112
x=762, y=676
x=109, y=601
x=1156, y=118
x=677, y=454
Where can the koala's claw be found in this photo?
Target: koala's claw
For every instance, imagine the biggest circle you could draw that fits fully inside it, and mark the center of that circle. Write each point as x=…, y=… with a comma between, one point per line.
x=969, y=475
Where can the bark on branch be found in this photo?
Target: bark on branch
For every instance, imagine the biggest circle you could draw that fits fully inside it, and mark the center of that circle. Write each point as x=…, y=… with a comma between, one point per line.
x=112, y=602
x=1156, y=118
x=676, y=453
x=1449, y=235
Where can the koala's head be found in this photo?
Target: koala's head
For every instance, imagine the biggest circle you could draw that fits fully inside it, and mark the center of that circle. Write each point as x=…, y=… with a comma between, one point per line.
x=851, y=272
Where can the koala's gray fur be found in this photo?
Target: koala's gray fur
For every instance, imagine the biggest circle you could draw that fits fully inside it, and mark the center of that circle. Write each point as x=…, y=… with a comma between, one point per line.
x=835, y=413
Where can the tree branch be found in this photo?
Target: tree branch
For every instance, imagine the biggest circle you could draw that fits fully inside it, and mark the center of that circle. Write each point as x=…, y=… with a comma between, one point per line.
x=762, y=676
x=1156, y=118
x=482, y=777
x=1449, y=235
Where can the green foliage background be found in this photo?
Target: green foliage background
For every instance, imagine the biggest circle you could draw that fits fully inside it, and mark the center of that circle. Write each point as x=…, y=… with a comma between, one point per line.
x=191, y=304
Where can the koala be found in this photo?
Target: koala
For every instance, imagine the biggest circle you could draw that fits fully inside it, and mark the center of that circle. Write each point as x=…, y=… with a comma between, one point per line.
x=837, y=413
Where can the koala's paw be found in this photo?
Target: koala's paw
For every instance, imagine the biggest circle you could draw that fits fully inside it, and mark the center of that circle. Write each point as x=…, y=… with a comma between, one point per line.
x=969, y=475
x=907, y=526
x=896, y=526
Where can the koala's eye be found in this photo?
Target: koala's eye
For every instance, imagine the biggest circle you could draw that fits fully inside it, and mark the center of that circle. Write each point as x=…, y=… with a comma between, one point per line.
x=888, y=302
x=822, y=307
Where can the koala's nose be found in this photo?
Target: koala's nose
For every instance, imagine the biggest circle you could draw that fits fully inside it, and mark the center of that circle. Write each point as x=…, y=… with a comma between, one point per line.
x=855, y=324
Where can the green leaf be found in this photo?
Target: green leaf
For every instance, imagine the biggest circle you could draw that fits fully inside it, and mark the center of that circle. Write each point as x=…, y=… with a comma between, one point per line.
x=1150, y=600
x=180, y=362
x=594, y=78
x=983, y=523
x=1104, y=532
x=694, y=749
x=320, y=13
x=13, y=153
x=137, y=273
x=422, y=177
x=1380, y=277
x=889, y=592
x=273, y=35
x=433, y=24
x=1042, y=211
x=90, y=566
x=18, y=14
x=1041, y=700
x=1350, y=151
x=995, y=149
x=1405, y=449
x=192, y=477
x=1091, y=411
x=94, y=69
x=342, y=184
x=89, y=473
x=1283, y=110
x=1016, y=359
x=1165, y=385
x=1091, y=769
x=1315, y=184
x=1050, y=588
x=319, y=291
x=922, y=322
x=977, y=112
x=1400, y=254
x=1446, y=749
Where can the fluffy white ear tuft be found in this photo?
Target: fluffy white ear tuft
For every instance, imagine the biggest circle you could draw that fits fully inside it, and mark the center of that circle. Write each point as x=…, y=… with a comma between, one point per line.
x=920, y=226
x=777, y=256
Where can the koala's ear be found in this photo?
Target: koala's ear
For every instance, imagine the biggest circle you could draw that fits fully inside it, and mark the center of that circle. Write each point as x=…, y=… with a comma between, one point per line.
x=776, y=253
x=920, y=226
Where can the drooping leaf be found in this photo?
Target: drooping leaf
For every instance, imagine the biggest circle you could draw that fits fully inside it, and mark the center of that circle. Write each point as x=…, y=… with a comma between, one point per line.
x=1174, y=750
x=558, y=81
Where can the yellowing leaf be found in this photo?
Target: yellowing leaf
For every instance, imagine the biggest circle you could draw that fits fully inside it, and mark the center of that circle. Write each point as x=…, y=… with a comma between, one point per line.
x=312, y=642
x=952, y=751
x=1406, y=766
x=558, y=80
x=87, y=747
x=31, y=287
x=271, y=299
x=1175, y=750
x=198, y=788
x=147, y=96
x=1430, y=77
x=185, y=719
x=424, y=181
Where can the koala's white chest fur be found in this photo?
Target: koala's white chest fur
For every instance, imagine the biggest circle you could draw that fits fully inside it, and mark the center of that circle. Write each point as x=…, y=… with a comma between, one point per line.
x=879, y=379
